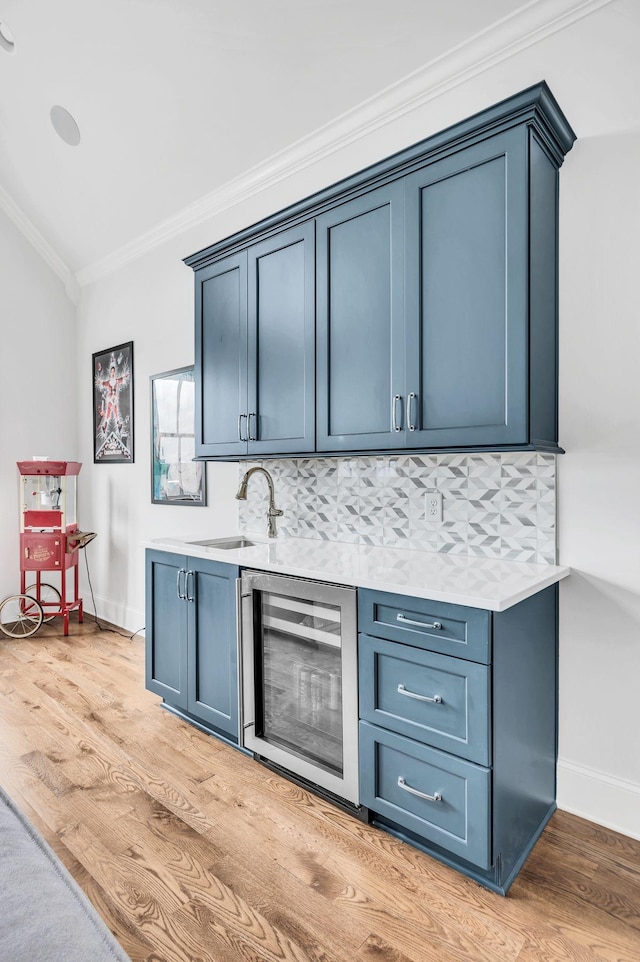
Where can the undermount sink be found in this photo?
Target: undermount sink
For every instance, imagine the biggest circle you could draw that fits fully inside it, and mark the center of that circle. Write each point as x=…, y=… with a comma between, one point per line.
x=238, y=542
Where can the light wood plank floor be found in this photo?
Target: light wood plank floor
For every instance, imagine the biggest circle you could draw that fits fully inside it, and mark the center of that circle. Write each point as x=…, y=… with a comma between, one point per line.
x=192, y=852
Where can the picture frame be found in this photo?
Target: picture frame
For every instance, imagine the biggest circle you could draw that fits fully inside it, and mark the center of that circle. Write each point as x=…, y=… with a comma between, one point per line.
x=113, y=405
x=176, y=478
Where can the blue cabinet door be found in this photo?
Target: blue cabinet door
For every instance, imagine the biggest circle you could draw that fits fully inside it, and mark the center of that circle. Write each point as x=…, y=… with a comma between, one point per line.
x=213, y=665
x=191, y=637
x=360, y=323
x=166, y=627
x=281, y=348
x=221, y=357
x=467, y=297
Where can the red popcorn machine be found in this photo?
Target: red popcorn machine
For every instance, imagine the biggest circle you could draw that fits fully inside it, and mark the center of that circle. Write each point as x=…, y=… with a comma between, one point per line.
x=49, y=542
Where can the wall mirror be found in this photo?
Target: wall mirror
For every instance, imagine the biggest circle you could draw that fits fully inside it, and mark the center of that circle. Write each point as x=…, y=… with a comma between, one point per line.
x=175, y=477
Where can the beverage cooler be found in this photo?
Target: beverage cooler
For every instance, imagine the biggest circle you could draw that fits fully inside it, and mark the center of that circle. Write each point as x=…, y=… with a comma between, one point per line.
x=299, y=680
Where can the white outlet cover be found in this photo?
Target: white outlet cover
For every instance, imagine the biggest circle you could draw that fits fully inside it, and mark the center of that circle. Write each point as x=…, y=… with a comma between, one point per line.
x=433, y=506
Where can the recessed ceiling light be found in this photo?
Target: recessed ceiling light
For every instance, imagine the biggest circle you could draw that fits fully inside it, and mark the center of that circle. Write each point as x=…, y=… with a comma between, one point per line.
x=6, y=38
x=65, y=126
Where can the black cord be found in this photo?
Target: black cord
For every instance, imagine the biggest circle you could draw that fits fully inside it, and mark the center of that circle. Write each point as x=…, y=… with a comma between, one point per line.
x=95, y=611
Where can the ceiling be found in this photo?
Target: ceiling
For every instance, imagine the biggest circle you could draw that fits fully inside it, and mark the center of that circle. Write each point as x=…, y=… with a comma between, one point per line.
x=176, y=98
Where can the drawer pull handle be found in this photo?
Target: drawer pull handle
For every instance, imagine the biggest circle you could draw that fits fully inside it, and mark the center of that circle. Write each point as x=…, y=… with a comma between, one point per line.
x=436, y=797
x=436, y=700
x=436, y=625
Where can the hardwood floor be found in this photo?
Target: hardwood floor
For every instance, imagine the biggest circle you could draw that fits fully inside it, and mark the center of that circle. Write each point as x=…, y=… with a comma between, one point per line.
x=192, y=852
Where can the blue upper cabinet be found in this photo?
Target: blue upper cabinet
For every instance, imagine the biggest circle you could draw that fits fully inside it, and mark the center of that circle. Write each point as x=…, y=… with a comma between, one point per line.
x=281, y=348
x=435, y=303
x=467, y=293
x=360, y=322
x=254, y=350
x=221, y=356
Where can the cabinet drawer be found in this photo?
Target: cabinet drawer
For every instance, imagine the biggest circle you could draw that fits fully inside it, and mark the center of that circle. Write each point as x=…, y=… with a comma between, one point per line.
x=394, y=768
x=438, y=700
x=449, y=629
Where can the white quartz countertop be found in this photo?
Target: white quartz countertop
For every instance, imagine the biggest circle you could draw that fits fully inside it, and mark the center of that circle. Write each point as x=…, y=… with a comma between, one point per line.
x=457, y=579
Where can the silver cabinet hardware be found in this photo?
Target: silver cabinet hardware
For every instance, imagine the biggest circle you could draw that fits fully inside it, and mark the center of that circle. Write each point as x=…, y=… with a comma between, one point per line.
x=436, y=625
x=410, y=399
x=240, y=435
x=394, y=411
x=436, y=700
x=181, y=594
x=252, y=434
x=190, y=595
x=436, y=797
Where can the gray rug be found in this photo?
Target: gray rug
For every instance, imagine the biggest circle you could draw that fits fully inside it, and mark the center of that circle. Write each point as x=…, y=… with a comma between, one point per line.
x=44, y=915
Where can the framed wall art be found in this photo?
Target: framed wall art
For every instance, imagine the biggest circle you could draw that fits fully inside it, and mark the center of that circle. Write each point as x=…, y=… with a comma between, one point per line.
x=113, y=405
x=175, y=477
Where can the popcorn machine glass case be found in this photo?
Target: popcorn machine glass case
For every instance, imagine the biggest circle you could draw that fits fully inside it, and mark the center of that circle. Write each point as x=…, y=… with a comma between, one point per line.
x=48, y=524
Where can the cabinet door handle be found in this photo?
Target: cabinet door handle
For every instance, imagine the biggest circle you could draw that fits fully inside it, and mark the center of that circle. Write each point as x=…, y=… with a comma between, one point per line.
x=436, y=625
x=190, y=595
x=436, y=797
x=181, y=595
x=435, y=700
x=394, y=411
x=253, y=414
x=410, y=399
x=240, y=436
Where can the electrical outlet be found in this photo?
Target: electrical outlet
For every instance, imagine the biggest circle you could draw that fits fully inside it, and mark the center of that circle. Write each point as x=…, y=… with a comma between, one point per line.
x=433, y=506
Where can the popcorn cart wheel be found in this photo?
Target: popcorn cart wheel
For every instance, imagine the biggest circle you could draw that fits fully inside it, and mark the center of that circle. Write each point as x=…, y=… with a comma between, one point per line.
x=20, y=616
x=48, y=597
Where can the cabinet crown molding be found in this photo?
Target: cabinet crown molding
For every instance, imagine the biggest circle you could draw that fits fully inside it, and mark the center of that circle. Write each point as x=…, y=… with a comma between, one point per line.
x=535, y=106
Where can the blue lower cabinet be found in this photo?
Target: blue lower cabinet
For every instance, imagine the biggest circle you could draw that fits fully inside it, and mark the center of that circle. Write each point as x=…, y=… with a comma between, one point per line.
x=437, y=796
x=458, y=754
x=191, y=646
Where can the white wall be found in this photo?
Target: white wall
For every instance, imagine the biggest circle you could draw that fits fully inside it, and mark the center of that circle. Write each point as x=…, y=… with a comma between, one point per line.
x=592, y=69
x=38, y=390
x=599, y=482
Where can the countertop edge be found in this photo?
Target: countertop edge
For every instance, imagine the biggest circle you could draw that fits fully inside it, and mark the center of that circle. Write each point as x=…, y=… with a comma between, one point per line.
x=498, y=600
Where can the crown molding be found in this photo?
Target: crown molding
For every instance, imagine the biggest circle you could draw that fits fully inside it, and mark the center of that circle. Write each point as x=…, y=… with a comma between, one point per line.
x=527, y=26
x=507, y=37
x=41, y=246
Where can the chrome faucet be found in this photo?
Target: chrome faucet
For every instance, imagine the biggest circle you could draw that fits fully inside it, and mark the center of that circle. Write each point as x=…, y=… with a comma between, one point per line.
x=272, y=512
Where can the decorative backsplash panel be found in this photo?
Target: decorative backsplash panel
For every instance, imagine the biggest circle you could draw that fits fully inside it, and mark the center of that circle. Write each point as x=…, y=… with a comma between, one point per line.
x=494, y=505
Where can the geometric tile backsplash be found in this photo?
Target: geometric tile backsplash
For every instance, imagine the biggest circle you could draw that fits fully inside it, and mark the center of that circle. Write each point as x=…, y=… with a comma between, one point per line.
x=494, y=505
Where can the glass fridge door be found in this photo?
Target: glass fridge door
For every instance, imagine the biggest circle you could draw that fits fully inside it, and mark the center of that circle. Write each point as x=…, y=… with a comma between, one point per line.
x=299, y=667
x=300, y=678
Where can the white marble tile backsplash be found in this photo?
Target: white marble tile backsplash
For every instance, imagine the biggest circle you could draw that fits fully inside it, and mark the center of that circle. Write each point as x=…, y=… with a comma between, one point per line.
x=494, y=505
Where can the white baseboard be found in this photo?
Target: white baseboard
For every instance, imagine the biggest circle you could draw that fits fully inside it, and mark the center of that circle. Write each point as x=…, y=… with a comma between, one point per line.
x=599, y=797
x=129, y=619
